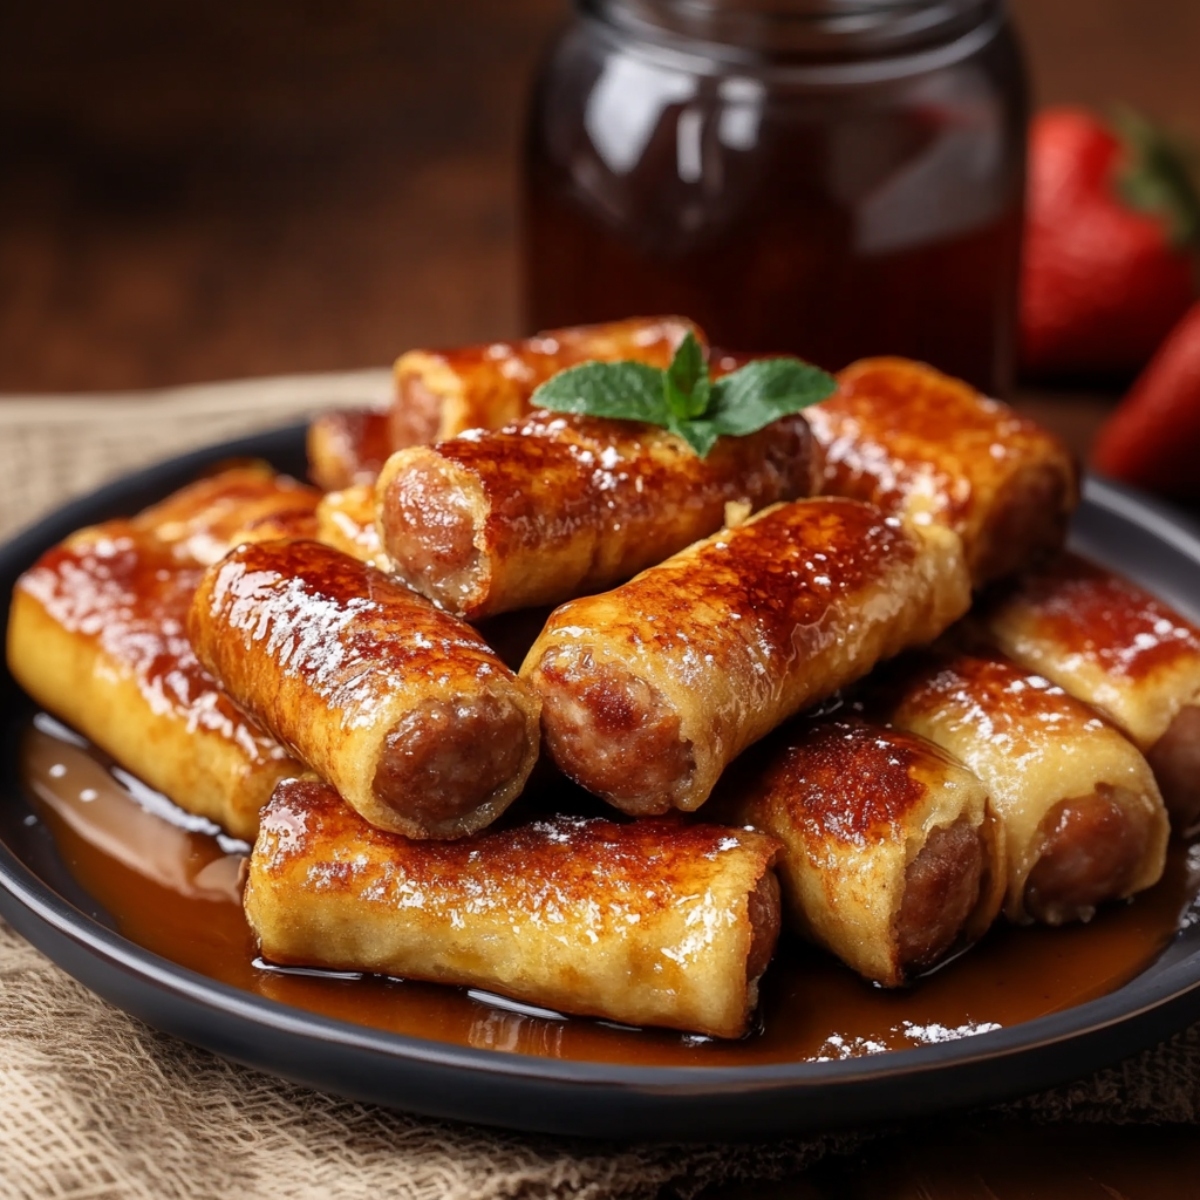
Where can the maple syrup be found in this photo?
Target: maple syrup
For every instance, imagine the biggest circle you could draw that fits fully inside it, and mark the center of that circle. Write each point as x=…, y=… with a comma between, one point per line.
x=831, y=178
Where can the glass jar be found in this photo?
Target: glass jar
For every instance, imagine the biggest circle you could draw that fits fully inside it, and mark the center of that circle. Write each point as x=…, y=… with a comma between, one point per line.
x=832, y=178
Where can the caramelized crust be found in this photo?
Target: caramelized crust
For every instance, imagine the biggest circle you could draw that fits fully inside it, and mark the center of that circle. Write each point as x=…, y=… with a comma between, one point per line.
x=891, y=859
x=557, y=506
x=650, y=923
x=1110, y=643
x=348, y=447
x=697, y=658
x=441, y=393
x=1041, y=754
x=402, y=708
x=96, y=636
x=915, y=441
x=245, y=502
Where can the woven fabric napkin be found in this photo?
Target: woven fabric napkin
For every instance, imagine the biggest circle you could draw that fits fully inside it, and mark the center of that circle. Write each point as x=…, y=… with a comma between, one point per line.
x=95, y=1105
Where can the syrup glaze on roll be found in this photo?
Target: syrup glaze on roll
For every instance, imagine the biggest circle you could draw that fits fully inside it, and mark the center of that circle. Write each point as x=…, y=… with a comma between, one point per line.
x=1109, y=642
x=647, y=923
x=891, y=860
x=1083, y=819
x=558, y=505
x=651, y=690
x=404, y=709
x=915, y=441
x=245, y=502
x=96, y=636
x=441, y=393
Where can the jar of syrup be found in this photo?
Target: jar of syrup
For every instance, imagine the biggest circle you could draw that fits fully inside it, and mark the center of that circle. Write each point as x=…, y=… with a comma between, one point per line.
x=831, y=178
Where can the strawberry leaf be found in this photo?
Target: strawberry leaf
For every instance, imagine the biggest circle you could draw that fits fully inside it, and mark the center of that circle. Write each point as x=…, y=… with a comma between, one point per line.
x=1158, y=176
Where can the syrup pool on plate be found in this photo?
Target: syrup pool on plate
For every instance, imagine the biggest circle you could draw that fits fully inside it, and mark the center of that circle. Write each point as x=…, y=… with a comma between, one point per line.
x=171, y=883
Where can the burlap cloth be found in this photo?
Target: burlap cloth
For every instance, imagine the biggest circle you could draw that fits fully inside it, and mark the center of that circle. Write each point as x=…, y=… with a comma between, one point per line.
x=94, y=1104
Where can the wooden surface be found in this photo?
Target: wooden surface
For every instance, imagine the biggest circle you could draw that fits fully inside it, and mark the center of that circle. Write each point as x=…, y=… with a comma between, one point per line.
x=212, y=191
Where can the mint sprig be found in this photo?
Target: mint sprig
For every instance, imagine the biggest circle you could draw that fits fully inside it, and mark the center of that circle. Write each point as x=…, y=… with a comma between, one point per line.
x=683, y=398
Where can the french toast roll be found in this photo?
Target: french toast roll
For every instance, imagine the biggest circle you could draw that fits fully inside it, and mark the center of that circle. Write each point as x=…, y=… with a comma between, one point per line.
x=1083, y=819
x=650, y=690
x=647, y=923
x=247, y=501
x=558, y=505
x=441, y=393
x=1111, y=643
x=96, y=636
x=348, y=446
x=915, y=441
x=402, y=708
x=892, y=858
x=346, y=521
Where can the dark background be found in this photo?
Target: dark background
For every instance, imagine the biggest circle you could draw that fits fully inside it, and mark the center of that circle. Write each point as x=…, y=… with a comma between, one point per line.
x=204, y=191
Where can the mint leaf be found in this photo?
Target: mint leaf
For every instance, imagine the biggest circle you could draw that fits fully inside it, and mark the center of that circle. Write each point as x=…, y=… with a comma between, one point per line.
x=683, y=399
x=685, y=385
x=628, y=391
x=763, y=391
x=700, y=434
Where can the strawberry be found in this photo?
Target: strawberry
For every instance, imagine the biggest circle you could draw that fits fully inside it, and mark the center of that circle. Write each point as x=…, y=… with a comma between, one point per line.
x=1112, y=218
x=1153, y=438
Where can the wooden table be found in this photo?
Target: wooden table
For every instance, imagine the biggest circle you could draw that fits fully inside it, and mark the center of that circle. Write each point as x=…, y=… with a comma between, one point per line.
x=201, y=192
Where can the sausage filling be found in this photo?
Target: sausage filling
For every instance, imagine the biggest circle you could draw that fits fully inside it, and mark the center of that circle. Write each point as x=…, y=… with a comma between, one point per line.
x=1091, y=849
x=1175, y=761
x=613, y=733
x=446, y=758
x=430, y=537
x=765, y=914
x=941, y=889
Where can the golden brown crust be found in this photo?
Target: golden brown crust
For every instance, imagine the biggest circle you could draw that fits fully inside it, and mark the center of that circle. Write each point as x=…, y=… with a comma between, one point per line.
x=915, y=441
x=333, y=657
x=890, y=859
x=730, y=637
x=348, y=446
x=243, y=502
x=649, y=923
x=441, y=393
x=1104, y=639
x=557, y=506
x=96, y=636
x=1034, y=748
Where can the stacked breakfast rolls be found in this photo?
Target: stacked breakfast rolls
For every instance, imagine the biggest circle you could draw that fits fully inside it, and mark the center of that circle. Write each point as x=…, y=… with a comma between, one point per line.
x=705, y=605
